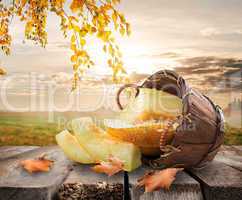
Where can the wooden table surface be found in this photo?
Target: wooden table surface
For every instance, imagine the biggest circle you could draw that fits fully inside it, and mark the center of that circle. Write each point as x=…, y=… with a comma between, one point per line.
x=220, y=180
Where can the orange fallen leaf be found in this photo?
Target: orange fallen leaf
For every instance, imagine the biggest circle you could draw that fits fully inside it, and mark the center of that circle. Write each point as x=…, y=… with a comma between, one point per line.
x=37, y=165
x=113, y=166
x=158, y=179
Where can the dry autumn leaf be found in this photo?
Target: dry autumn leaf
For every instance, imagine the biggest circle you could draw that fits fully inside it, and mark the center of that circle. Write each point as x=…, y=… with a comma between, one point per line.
x=113, y=166
x=37, y=165
x=158, y=179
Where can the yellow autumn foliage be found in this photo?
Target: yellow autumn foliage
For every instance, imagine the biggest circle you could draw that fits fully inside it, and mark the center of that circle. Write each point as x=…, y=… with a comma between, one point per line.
x=79, y=19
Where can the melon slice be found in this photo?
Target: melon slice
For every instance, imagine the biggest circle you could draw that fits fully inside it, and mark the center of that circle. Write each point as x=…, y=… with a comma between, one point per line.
x=145, y=135
x=152, y=104
x=72, y=149
x=100, y=145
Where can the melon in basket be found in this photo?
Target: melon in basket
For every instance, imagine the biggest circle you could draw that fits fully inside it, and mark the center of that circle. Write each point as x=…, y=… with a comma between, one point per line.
x=151, y=104
x=146, y=135
x=145, y=120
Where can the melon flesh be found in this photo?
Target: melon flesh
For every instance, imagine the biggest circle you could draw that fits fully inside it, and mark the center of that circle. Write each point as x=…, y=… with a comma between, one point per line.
x=72, y=149
x=145, y=135
x=152, y=104
x=100, y=146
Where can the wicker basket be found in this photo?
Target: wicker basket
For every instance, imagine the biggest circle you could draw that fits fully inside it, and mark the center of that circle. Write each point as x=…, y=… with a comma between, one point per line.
x=201, y=127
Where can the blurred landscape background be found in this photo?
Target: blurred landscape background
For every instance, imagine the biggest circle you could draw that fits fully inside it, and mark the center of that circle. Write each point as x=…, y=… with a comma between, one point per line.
x=200, y=40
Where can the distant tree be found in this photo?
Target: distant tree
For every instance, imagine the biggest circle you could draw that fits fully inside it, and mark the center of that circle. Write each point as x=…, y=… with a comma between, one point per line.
x=84, y=18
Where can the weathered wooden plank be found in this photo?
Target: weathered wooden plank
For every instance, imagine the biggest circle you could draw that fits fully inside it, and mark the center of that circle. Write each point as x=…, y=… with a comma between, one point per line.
x=233, y=161
x=83, y=183
x=219, y=181
x=17, y=184
x=10, y=151
x=183, y=188
x=84, y=174
x=232, y=148
x=231, y=156
x=238, y=148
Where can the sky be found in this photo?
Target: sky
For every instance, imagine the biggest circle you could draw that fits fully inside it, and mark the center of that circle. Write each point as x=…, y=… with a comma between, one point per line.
x=202, y=40
x=208, y=26
x=189, y=27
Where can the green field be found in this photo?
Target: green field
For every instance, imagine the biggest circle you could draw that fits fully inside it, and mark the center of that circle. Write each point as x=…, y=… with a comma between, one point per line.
x=233, y=136
x=27, y=131
x=34, y=129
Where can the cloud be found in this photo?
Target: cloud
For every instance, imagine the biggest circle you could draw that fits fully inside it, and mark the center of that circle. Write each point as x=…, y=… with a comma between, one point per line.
x=208, y=32
x=211, y=31
x=163, y=55
x=166, y=55
x=208, y=73
x=239, y=31
x=62, y=77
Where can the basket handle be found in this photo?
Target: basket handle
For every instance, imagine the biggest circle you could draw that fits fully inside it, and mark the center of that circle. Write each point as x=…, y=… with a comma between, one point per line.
x=165, y=72
x=136, y=87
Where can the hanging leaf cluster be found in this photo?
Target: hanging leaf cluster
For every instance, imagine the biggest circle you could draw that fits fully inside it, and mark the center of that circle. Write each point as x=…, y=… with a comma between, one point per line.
x=79, y=19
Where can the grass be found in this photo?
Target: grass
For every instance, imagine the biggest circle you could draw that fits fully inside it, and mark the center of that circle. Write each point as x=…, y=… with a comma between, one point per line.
x=36, y=130
x=27, y=131
x=233, y=136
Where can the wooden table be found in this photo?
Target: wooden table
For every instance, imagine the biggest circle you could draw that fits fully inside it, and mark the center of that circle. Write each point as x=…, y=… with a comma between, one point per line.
x=220, y=180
